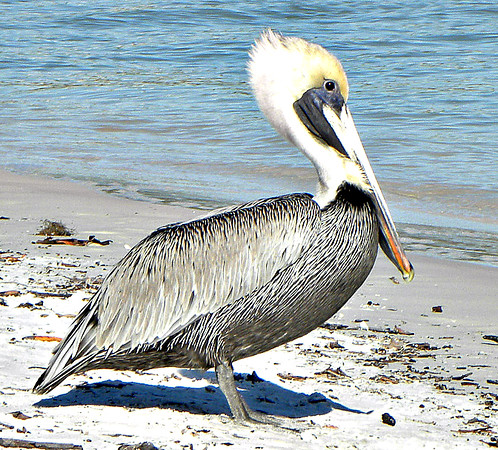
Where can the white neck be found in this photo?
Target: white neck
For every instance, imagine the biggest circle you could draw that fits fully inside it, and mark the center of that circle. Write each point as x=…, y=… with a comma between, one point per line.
x=332, y=168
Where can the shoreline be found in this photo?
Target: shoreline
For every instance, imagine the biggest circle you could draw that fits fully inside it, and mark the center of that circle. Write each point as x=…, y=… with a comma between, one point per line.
x=477, y=245
x=434, y=372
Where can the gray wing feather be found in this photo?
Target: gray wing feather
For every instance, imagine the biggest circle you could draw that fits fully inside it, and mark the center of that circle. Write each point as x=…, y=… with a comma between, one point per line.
x=183, y=271
x=189, y=269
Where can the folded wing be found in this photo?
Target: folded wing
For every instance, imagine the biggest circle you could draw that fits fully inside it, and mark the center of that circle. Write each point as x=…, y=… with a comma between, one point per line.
x=181, y=272
x=185, y=270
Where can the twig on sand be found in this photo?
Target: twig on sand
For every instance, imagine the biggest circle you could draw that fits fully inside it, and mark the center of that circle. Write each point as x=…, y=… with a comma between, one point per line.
x=22, y=443
x=72, y=241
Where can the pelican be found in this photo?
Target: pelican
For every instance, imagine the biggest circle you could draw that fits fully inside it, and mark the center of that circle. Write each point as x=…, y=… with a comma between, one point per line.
x=246, y=279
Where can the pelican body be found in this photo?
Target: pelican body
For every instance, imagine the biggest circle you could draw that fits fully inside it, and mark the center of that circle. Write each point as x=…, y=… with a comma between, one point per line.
x=246, y=279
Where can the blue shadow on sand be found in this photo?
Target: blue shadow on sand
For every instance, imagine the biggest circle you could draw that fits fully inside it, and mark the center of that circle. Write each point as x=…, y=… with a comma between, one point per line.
x=260, y=395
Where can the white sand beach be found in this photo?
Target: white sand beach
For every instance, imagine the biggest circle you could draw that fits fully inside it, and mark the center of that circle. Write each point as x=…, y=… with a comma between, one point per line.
x=425, y=352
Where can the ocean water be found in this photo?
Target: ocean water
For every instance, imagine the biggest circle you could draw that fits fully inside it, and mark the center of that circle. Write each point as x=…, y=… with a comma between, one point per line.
x=150, y=100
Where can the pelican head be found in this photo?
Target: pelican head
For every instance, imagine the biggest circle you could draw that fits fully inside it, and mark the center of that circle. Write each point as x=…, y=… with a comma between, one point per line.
x=302, y=89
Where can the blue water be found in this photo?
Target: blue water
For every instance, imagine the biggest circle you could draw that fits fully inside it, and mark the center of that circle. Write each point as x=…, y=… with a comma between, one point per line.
x=150, y=100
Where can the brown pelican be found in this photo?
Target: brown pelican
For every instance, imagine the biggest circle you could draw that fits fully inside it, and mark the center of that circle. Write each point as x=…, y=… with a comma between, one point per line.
x=246, y=279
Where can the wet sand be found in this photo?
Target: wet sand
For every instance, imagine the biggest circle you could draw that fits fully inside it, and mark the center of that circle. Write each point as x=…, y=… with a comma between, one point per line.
x=423, y=352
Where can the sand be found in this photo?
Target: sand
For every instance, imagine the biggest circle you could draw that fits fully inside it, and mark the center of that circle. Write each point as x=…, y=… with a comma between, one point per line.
x=388, y=351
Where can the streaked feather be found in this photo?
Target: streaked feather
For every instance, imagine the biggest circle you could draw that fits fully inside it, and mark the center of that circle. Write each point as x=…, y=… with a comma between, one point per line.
x=185, y=270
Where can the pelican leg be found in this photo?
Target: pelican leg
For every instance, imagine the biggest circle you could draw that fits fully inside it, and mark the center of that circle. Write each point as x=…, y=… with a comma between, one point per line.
x=240, y=411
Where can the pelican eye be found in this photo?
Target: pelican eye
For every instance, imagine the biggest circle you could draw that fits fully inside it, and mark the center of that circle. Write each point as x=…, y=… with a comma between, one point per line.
x=329, y=85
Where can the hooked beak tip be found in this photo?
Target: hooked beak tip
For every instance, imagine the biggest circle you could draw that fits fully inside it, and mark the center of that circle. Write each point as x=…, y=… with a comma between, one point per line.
x=408, y=274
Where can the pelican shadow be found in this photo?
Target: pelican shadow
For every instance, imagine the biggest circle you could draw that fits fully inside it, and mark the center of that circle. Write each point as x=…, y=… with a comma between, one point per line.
x=260, y=395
